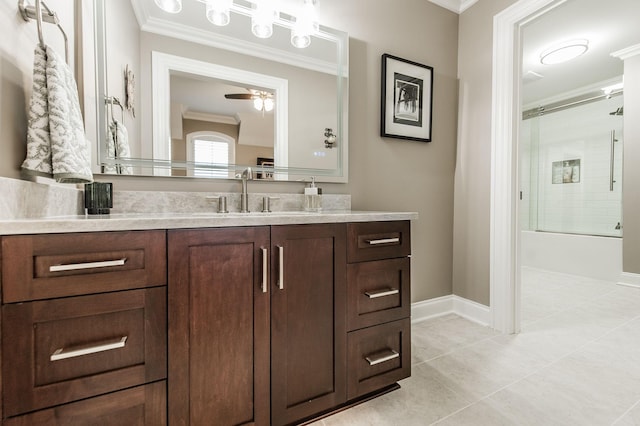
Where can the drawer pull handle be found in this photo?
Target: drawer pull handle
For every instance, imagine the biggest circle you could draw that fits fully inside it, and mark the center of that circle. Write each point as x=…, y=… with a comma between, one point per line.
x=63, y=353
x=281, y=267
x=382, y=357
x=88, y=265
x=383, y=241
x=265, y=257
x=381, y=293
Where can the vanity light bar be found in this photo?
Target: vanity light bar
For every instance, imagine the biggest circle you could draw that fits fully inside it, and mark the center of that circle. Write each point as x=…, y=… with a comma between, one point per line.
x=263, y=16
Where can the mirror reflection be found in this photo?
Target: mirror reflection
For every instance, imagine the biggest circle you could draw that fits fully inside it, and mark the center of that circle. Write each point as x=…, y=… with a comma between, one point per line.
x=264, y=103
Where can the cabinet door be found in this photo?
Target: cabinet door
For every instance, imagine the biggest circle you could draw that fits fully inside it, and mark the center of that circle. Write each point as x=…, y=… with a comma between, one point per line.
x=218, y=326
x=308, y=332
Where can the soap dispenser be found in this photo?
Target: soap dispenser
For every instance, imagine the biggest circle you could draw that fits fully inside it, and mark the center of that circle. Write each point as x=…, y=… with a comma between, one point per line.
x=312, y=197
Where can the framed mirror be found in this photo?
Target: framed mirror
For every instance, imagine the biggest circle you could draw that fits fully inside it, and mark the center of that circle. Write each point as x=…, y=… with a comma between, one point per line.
x=198, y=100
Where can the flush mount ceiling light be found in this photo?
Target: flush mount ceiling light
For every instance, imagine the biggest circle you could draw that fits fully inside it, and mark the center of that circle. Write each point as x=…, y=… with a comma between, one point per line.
x=563, y=52
x=303, y=24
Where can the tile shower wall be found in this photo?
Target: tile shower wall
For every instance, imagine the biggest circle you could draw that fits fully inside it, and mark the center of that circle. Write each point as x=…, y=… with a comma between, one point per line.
x=584, y=204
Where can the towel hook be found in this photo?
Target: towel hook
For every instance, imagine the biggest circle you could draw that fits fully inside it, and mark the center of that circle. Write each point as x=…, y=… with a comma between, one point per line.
x=31, y=12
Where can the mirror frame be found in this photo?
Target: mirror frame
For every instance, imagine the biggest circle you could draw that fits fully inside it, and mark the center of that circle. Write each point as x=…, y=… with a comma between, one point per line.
x=93, y=47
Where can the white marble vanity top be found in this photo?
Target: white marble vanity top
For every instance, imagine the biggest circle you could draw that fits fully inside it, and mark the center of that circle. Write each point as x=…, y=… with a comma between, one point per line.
x=141, y=221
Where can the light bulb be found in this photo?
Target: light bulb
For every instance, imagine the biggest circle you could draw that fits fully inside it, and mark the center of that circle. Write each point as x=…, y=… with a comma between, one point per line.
x=169, y=6
x=219, y=12
x=258, y=104
x=262, y=19
x=268, y=104
x=305, y=26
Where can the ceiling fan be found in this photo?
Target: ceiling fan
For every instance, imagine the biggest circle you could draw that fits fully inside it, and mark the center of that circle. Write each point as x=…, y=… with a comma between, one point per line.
x=262, y=100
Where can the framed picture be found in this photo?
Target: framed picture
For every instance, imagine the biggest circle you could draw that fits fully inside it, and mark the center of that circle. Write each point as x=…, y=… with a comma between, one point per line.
x=407, y=100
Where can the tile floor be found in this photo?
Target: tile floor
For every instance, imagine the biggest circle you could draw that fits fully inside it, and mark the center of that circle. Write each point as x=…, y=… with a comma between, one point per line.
x=576, y=362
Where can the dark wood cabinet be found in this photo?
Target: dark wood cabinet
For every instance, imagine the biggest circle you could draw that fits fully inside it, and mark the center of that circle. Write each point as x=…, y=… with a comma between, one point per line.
x=308, y=331
x=218, y=326
x=261, y=325
x=251, y=347
x=84, y=329
x=378, y=305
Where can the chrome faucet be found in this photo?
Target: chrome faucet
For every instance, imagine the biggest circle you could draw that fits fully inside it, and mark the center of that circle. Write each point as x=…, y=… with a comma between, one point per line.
x=246, y=175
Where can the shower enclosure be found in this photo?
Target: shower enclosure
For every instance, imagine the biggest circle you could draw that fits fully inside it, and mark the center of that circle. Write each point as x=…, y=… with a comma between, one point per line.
x=571, y=163
x=571, y=186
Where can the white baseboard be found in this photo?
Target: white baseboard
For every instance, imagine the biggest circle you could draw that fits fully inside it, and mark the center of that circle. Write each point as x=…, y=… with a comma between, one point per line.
x=452, y=304
x=629, y=279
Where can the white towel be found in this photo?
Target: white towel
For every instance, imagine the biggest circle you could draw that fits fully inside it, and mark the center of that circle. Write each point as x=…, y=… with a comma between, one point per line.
x=56, y=142
x=122, y=145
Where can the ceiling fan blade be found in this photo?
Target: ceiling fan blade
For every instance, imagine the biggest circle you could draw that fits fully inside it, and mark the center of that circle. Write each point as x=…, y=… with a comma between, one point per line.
x=239, y=96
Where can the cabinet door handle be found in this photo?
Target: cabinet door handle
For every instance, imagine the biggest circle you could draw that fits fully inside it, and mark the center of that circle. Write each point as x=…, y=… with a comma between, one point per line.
x=264, y=269
x=281, y=267
x=382, y=357
x=383, y=241
x=87, y=265
x=381, y=293
x=76, y=351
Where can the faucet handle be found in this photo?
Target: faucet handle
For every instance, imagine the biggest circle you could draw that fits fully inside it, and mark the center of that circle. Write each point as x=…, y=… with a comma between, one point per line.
x=266, y=203
x=222, y=203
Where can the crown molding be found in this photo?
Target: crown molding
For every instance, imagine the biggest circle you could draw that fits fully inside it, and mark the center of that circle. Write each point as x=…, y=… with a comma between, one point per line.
x=457, y=6
x=627, y=52
x=213, y=118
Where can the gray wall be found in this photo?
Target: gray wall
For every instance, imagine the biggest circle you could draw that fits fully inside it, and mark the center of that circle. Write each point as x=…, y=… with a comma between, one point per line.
x=473, y=163
x=385, y=174
x=631, y=178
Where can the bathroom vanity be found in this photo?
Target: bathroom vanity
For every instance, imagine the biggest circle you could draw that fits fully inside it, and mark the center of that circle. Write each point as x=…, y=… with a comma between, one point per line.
x=244, y=319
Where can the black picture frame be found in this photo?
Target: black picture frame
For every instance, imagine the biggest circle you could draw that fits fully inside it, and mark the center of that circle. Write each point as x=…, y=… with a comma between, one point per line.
x=406, y=102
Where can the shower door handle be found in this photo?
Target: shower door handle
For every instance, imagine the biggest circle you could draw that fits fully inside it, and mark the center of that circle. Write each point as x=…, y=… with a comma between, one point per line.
x=613, y=153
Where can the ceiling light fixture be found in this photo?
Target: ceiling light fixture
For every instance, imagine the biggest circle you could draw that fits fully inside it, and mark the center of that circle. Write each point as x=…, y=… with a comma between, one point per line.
x=303, y=24
x=563, y=52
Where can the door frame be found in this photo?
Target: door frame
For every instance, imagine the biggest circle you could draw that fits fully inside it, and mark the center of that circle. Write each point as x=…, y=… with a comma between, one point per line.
x=504, y=275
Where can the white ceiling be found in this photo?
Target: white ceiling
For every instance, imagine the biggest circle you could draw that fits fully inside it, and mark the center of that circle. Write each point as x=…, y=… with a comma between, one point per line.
x=609, y=25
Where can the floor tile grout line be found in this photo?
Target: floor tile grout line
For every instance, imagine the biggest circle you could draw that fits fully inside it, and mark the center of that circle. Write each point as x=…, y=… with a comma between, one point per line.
x=536, y=371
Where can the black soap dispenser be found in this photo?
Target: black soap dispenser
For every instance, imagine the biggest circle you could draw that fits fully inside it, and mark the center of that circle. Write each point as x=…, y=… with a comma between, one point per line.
x=98, y=197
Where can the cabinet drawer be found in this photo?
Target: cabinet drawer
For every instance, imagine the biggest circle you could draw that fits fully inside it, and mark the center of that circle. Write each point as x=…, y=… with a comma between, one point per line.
x=378, y=240
x=378, y=292
x=59, y=265
x=62, y=350
x=378, y=356
x=142, y=405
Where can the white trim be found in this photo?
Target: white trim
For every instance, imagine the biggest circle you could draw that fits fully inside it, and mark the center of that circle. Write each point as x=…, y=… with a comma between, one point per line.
x=457, y=6
x=427, y=309
x=162, y=64
x=627, y=53
x=452, y=304
x=506, y=110
x=629, y=279
x=213, y=118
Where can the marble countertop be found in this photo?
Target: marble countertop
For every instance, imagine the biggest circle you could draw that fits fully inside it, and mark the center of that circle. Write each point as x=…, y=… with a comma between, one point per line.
x=141, y=221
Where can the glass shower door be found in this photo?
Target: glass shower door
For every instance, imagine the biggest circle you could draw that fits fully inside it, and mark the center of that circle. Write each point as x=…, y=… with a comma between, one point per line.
x=572, y=170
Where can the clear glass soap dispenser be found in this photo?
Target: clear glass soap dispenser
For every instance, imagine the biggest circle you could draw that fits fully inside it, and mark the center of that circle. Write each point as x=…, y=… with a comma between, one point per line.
x=312, y=197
